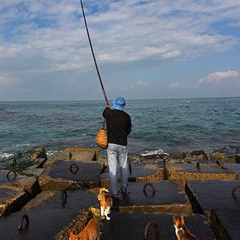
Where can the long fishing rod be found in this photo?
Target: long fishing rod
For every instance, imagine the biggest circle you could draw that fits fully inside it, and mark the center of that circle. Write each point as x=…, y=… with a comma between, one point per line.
x=95, y=61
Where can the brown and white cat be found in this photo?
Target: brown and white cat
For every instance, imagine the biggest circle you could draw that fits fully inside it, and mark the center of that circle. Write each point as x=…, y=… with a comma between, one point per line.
x=90, y=232
x=106, y=202
x=181, y=230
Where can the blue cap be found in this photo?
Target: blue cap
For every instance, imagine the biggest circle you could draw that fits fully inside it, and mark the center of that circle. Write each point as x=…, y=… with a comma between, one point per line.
x=119, y=103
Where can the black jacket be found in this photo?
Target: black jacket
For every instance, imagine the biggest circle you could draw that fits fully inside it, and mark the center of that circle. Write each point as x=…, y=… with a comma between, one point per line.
x=118, y=126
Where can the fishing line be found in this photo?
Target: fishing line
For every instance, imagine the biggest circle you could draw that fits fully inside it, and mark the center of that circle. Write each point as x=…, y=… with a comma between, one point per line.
x=93, y=55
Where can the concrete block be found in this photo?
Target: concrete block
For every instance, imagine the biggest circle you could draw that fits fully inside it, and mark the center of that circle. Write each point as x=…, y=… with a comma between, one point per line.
x=66, y=175
x=12, y=199
x=132, y=226
x=206, y=195
x=47, y=216
x=183, y=172
x=225, y=223
x=157, y=196
x=76, y=154
x=26, y=182
x=137, y=173
x=234, y=167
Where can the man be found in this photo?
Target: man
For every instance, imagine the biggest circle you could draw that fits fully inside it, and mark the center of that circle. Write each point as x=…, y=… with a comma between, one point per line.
x=118, y=128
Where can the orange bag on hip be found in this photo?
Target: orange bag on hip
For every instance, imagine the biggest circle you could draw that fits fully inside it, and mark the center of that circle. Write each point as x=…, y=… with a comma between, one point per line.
x=101, y=138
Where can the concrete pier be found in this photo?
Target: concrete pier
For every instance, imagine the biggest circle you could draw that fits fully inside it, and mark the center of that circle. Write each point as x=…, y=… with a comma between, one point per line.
x=158, y=196
x=51, y=197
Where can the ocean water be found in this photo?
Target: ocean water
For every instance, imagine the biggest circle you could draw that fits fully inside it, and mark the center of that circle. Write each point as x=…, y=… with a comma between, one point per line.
x=171, y=125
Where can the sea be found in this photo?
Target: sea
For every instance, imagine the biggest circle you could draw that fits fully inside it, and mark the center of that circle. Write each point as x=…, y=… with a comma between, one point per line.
x=159, y=125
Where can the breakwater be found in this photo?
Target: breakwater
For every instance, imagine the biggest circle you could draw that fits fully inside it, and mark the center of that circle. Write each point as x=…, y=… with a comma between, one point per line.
x=46, y=198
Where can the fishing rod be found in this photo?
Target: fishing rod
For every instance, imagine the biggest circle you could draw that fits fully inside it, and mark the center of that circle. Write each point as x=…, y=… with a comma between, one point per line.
x=95, y=61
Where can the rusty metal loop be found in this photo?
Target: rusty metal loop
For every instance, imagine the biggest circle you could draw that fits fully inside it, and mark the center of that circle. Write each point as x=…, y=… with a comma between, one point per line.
x=70, y=156
x=15, y=175
x=198, y=165
x=147, y=228
x=234, y=189
x=130, y=168
x=237, y=151
x=64, y=198
x=14, y=162
x=153, y=189
x=76, y=168
x=26, y=218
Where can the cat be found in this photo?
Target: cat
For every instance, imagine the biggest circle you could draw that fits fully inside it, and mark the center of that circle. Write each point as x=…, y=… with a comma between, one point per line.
x=90, y=232
x=106, y=202
x=181, y=230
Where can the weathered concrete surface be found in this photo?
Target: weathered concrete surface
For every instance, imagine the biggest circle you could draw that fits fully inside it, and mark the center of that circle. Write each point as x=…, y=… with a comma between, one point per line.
x=219, y=200
x=12, y=199
x=51, y=211
x=38, y=153
x=76, y=154
x=218, y=156
x=47, y=215
x=145, y=172
x=27, y=182
x=183, y=172
x=131, y=226
x=213, y=194
x=158, y=196
x=84, y=154
x=65, y=175
x=137, y=172
x=225, y=223
x=226, y=154
x=234, y=167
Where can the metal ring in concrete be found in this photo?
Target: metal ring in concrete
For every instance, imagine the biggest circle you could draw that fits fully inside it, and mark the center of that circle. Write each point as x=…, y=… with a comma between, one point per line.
x=130, y=168
x=64, y=198
x=76, y=168
x=14, y=163
x=152, y=187
x=234, y=190
x=26, y=218
x=147, y=228
x=198, y=165
x=15, y=175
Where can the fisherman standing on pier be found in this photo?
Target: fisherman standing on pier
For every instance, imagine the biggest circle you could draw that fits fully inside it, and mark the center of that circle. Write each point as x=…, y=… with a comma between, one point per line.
x=118, y=128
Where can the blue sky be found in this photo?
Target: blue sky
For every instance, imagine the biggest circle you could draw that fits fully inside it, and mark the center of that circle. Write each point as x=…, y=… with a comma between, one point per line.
x=144, y=49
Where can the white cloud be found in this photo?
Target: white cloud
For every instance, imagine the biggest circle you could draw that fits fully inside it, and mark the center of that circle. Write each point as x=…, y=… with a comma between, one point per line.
x=172, y=54
x=3, y=81
x=45, y=41
x=217, y=76
x=176, y=85
x=138, y=85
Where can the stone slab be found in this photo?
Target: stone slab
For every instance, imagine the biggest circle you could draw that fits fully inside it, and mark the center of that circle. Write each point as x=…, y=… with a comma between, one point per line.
x=131, y=226
x=206, y=195
x=225, y=223
x=182, y=172
x=76, y=154
x=27, y=182
x=234, y=167
x=71, y=175
x=143, y=172
x=12, y=199
x=159, y=196
x=137, y=172
x=47, y=216
x=83, y=154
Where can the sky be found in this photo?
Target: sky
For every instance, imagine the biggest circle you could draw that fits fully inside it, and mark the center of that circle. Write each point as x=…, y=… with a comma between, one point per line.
x=144, y=49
